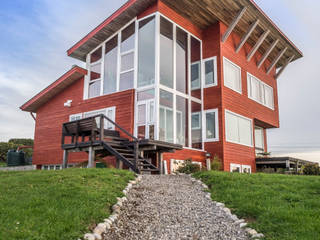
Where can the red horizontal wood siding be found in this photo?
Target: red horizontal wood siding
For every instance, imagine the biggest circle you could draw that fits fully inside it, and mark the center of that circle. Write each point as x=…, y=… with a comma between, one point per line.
x=53, y=114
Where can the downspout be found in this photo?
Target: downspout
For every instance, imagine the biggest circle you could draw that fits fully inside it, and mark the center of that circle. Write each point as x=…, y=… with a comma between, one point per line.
x=34, y=118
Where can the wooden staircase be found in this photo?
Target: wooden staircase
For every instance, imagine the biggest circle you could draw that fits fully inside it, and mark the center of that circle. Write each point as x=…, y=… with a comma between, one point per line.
x=106, y=143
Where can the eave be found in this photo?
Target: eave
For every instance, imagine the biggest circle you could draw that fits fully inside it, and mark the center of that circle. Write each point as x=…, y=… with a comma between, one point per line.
x=53, y=89
x=203, y=14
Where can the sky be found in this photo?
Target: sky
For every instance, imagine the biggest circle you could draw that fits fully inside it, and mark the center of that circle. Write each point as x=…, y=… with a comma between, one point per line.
x=36, y=34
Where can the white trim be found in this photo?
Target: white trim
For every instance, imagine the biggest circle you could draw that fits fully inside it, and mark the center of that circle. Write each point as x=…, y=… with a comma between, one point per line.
x=204, y=126
x=199, y=127
x=246, y=166
x=235, y=165
x=215, y=69
x=224, y=74
x=243, y=117
x=76, y=116
x=263, y=95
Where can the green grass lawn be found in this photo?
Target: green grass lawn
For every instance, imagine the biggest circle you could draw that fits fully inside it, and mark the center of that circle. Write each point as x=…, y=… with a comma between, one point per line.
x=279, y=206
x=63, y=204
x=3, y=164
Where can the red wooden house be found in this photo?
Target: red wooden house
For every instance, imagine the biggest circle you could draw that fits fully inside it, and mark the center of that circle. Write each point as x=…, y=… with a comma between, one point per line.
x=175, y=79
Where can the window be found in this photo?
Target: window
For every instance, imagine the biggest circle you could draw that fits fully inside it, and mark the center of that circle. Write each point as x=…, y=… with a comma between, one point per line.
x=259, y=139
x=210, y=72
x=181, y=61
x=195, y=67
x=127, y=58
x=75, y=117
x=146, y=55
x=260, y=92
x=238, y=129
x=95, y=73
x=235, y=168
x=232, y=75
x=211, y=125
x=166, y=116
x=246, y=169
x=196, y=125
x=109, y=112
x=110, y=66
x=166, y=53
x=182, y=128
x=196, y=120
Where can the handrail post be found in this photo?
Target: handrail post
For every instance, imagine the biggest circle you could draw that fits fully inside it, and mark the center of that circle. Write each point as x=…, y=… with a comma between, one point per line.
x=136, y=155
x=101, y=127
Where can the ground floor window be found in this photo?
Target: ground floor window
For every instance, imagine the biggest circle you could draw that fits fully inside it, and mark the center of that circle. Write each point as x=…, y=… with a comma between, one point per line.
x=238, y=129
x=108, y=112
x=259, y=139
x=211, y=125
x=238, y=168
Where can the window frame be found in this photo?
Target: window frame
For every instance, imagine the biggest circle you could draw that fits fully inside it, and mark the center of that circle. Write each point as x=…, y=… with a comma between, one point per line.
x=246, y=166
x=199, y=126
x=119, y=56
x=224, y=74
x=204, y=126
x=235, y=165
x=215, y=69
x=263, y=94
x=75, y=115
x=198, y=63
x=243, y=117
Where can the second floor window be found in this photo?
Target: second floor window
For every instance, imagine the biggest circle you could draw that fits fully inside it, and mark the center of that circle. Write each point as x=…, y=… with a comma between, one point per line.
x=232, y=75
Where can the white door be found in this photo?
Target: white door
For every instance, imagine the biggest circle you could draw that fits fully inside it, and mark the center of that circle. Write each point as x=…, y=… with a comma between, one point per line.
x=145, y=119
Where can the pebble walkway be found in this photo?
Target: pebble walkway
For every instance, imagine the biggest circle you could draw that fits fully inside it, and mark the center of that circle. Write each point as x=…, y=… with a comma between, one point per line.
x=172, y=207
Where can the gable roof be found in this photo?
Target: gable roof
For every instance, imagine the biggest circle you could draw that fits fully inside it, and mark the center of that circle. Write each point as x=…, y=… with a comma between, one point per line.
x=202, y=13
x=53, y=89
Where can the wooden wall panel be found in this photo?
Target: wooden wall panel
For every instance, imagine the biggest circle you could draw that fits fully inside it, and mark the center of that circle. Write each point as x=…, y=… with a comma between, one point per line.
x=52, y=115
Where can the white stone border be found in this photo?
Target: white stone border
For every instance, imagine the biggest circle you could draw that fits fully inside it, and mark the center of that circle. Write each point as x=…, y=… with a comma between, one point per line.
x=101, y=228
x=251, y=232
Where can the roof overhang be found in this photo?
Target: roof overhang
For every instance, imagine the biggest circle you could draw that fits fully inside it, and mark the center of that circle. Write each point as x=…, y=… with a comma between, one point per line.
x=53, y=89
x=203, y=14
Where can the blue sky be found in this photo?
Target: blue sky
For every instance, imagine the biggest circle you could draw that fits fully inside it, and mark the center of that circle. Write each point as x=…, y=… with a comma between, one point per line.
x=35, y=35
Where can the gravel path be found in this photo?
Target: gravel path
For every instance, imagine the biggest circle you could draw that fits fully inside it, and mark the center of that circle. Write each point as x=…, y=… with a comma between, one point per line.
x=172, y=207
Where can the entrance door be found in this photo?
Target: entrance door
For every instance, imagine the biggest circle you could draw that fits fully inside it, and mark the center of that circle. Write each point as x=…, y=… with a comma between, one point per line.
x=145, y=119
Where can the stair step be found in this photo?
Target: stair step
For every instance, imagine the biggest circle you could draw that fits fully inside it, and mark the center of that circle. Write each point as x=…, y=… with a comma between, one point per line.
x=149, y=170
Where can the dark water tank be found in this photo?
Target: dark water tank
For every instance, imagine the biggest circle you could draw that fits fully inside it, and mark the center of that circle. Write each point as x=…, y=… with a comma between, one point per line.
x=15, y=158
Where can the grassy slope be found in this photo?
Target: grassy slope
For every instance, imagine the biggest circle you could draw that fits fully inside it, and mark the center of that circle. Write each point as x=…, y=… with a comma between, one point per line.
x=281, y=207
x=57, y=204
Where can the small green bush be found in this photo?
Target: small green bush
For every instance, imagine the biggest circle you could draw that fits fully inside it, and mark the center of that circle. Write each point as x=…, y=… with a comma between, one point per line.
x=311, y=169
x=216, y=163
x=188, y=167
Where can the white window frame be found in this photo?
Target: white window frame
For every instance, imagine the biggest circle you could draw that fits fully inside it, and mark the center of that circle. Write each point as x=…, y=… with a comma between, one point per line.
x=199, y=126
x=224, y=74
x=215, y=69
x=51, y=165
x=198, y=63
x=235, y=165
x=204, y=128
x=75, y=116
x=255, y=137
x=243, y=117
x=246, y=166
x=263, y=94
x=119, y=55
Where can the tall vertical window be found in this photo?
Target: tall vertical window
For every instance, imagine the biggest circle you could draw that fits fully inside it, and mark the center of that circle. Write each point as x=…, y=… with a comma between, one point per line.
x=232, y=75
x=238, y=129
x=260, y=92
x=182, y=61
x=195, y=68
x=146, y=55
x=196, y=125
x=95, y=73
x=182, y=128
x=210, y=72
x=110, y=66
x=211, y=125
x=166, y=116
x=145, y=114
x=166, y=53
x=127, y=58
x=259, y=139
